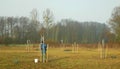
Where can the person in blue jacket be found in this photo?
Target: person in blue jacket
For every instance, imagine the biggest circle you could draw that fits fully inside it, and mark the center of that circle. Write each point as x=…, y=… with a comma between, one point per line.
x=43, y=51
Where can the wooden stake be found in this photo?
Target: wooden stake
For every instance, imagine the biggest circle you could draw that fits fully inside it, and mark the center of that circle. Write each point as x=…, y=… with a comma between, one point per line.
x=27, y=46
x=99, y=50
x=72, y=48
x=103, y=49
x=47, y=53
x=40, y=53
x=77, y=48
x=106, y=51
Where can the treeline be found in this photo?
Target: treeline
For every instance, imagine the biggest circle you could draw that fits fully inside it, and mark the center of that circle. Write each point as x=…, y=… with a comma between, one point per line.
x=70, y=31
x=18, y=30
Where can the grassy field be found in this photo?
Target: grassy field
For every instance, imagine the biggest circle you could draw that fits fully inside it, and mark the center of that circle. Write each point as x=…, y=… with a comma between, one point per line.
x=16, y=57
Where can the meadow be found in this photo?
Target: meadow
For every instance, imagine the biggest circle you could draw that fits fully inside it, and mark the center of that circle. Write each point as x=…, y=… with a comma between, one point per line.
x=16, y=57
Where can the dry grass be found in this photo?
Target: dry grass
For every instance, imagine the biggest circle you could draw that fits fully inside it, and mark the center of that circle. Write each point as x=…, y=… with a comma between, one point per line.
x=14, y=57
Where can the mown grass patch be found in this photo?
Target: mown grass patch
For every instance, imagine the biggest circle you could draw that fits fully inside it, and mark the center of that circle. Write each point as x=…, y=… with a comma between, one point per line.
x=18, y=58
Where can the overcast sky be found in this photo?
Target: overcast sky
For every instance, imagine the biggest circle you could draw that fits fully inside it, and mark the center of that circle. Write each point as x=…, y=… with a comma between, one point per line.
x=80, y=10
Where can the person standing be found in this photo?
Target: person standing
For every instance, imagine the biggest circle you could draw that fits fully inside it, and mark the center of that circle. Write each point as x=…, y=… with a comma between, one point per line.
x=43, y=51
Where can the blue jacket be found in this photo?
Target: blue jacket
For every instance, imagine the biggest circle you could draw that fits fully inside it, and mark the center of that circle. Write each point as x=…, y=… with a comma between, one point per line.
x=43, y=48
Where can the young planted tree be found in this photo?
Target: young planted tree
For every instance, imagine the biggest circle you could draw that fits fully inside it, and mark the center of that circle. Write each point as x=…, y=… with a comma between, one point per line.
x=47, y=20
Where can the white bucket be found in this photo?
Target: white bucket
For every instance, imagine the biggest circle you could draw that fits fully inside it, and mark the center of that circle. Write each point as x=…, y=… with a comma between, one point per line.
x=36, y=60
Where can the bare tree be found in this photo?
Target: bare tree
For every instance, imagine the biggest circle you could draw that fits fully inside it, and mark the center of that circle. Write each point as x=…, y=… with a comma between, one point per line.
x=34, y=25
x=47, y=20
x=115, y=22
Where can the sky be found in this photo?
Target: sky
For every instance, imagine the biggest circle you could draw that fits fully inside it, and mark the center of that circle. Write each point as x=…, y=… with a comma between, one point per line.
x=80, y=10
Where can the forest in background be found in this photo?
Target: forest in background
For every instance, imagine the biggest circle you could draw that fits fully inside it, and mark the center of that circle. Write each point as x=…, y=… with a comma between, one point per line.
x=17, y=30
x=20, y=29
